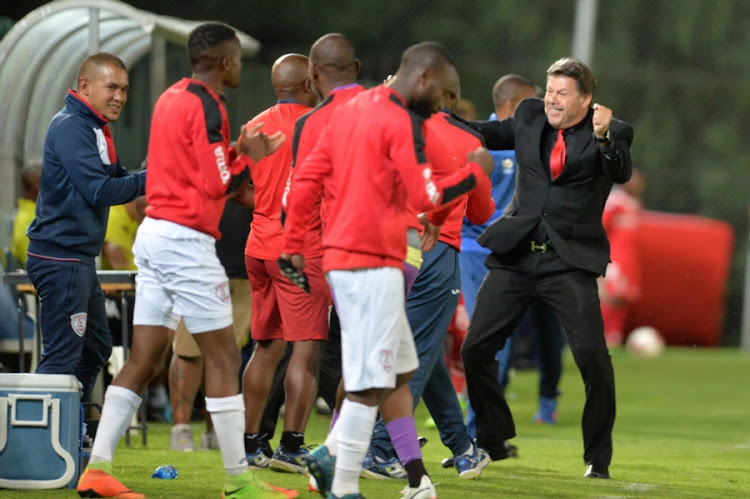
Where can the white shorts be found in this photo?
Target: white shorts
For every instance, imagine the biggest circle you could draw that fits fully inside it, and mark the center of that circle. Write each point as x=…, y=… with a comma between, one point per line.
x=376, y=340
x=179, y=275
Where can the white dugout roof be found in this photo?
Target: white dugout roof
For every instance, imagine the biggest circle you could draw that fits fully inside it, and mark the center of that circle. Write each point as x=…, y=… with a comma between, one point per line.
x=39, y=59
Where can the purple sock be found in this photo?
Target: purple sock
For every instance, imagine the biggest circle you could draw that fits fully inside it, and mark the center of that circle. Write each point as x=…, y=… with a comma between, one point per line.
x=403, y=434
x=334, y=418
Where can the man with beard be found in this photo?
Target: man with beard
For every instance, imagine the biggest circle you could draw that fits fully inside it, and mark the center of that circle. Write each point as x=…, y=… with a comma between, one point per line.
x=433, y=298
x=373, y=152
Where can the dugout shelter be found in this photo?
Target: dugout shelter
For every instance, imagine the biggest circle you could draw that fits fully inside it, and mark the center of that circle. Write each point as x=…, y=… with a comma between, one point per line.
x=39, y=59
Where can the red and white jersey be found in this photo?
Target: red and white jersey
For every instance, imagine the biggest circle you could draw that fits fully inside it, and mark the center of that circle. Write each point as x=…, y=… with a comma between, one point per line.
x=373, y=150
x=269, y=176
x=190, y=163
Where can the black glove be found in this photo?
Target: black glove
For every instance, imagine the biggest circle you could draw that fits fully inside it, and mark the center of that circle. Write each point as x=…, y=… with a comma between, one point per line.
x=298, y=277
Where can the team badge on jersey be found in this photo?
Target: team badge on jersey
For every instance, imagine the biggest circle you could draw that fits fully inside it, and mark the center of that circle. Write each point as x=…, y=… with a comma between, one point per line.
x=222, y=291
x=386, y=360
x=507, y=166
x=78, y=323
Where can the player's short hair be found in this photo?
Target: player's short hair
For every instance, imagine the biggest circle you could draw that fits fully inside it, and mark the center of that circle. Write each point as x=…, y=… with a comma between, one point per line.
x=203, y=39
x=426, y=54
x=508, y=87
x=573, y=68
x=95, y=61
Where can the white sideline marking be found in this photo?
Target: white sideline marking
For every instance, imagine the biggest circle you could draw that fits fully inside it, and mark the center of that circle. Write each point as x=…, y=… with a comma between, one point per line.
x=639, y=487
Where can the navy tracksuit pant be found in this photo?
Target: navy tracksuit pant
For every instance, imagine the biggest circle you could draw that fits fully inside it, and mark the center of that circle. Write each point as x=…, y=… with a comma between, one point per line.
x=75, y=333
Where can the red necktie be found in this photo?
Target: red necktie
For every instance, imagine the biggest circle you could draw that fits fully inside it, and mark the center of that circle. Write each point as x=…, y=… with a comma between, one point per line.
x=557, y=158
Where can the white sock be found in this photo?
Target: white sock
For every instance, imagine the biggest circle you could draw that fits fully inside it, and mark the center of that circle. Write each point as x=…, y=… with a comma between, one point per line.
x=181, y=426
x=331, y=440
x=228, y=416
x=355, y=426
x=119, y=406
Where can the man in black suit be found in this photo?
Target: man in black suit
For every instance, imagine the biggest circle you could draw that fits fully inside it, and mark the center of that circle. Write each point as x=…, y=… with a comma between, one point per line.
x=550, y=246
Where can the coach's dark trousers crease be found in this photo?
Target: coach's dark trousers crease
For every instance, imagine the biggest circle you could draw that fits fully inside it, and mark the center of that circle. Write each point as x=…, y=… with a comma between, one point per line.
x=515, y=280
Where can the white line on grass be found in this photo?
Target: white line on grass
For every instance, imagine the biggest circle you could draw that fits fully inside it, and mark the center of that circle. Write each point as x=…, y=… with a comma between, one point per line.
x=639, y=487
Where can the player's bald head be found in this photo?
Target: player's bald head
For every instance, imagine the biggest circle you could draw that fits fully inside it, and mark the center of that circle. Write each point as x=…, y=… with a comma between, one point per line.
x=289, y=72
x=431, y=55
x=92, y=66
x=290, y=77
x=334, y=53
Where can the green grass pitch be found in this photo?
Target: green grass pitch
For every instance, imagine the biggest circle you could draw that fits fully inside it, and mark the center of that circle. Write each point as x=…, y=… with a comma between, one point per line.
x=682, y=431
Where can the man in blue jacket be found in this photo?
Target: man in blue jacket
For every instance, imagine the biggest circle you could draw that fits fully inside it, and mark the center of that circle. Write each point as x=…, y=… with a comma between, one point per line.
x=81, y=178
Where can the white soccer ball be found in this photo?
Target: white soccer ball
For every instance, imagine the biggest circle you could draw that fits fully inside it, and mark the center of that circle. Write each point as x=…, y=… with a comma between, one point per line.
x=645, y=341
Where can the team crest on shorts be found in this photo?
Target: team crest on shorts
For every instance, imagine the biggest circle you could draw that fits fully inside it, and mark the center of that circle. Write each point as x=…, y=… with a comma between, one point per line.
x=222, y=291
x=78, y=323
x=386, y=360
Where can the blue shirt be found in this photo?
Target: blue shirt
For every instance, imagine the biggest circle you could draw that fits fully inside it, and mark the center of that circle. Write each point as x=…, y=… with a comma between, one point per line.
x=503, y=178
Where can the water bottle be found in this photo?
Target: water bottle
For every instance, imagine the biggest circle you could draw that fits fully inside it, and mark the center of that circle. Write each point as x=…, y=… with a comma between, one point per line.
x=168, y=472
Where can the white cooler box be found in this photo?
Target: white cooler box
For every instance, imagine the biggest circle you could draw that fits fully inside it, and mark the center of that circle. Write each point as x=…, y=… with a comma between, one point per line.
x=40, y=424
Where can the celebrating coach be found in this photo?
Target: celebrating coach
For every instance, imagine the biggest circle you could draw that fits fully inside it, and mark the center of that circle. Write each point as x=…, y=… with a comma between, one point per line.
x=550, y=246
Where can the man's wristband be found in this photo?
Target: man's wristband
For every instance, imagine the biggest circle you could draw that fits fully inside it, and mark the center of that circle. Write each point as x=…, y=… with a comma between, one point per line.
x=604, y=141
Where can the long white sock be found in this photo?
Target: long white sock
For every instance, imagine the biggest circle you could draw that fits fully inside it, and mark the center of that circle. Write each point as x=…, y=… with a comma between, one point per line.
x=119, y=406
x=228, y=416
x=331, y=440
x=354, y=430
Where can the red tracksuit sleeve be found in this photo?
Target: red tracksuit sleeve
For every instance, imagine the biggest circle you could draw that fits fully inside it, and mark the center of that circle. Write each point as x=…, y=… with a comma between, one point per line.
x=305, y=189
x=408, y=157
x=211, y=148
x=238, y=161
x=461, y=182
x=439, y=215
x=480, y=205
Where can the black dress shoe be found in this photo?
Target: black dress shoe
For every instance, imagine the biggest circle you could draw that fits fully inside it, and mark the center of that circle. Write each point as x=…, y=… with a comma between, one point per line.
x=508, y=450
x=597, y=472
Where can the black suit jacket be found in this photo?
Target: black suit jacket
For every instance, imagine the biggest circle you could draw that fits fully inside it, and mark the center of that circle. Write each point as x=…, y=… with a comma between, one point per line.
x=569, y=207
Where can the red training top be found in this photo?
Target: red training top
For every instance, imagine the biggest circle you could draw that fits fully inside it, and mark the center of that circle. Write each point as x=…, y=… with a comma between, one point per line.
x=447, y=143
x=269, y=177
x=307, y=131
x=374, y=151
x=190, y=163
